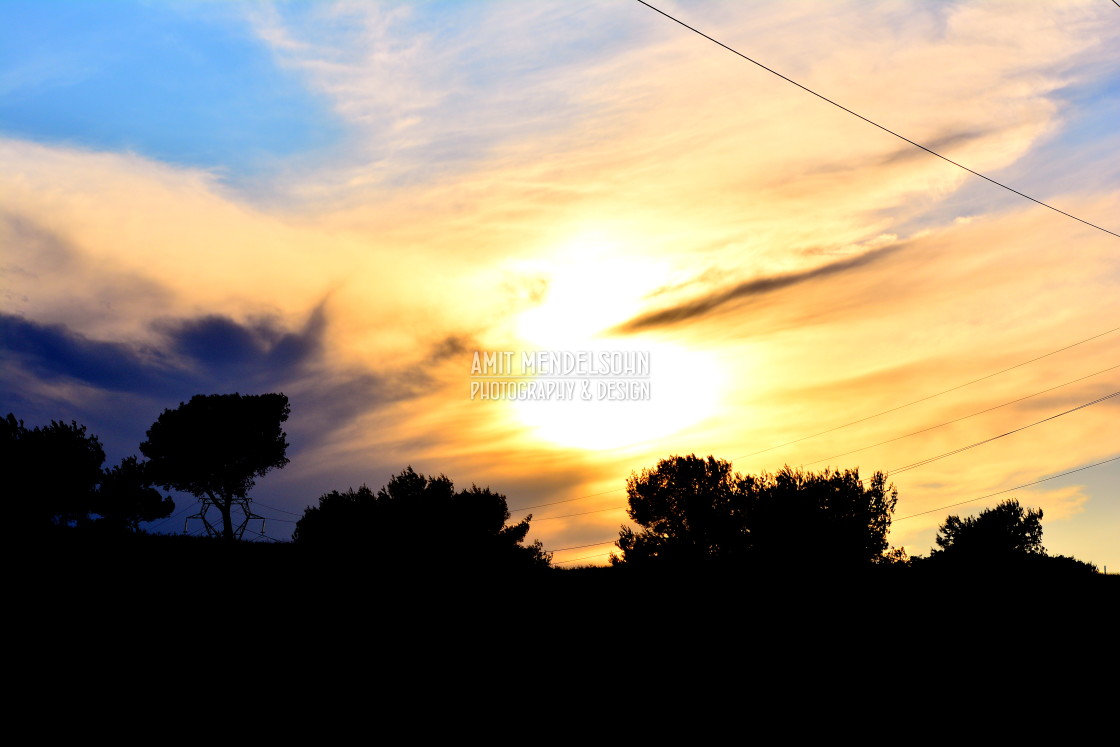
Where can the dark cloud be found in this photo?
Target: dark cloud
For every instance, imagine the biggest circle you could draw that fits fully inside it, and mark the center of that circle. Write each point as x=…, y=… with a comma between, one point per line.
x=52, y=351
x=201, y=355
x=258, y=353
x=709, y=276
x=451, y=347
x=206, y=354
x=943, y=145
x=1055, y=403
x=701, y=307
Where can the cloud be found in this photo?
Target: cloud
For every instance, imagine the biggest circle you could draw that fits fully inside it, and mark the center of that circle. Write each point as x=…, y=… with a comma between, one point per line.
x=452, y=347
x=260, y=349
x=213, y=353
x=434, y=89
x=704, y=306
x=53, y=351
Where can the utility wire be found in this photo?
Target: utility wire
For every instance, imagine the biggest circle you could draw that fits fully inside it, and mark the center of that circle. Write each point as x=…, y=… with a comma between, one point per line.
x=929, y=397
x=920, y=513
x=957, y=420
x=581, y=513
x=183, y=510
x=286, y=521
x=864, y=448
x=869, y=417
x=884, y=412
x=1001, y=492
x=576, y=560
x=993, y=438
x=907, y=467
x=566, y=500
x=876, y=124
x=275, y=508
x=178, y=513
x=262, y=534
x=593, y=544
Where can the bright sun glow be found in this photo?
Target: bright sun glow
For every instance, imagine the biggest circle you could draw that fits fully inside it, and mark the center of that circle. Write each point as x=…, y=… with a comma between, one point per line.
x=592, y=285
x=591, y=288
x=684, y=389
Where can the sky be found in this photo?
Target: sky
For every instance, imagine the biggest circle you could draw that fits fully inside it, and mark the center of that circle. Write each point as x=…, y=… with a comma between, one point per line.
x=345, y=201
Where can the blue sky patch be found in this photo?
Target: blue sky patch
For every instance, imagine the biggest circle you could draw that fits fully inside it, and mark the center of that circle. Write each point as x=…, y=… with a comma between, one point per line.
x=195, y=90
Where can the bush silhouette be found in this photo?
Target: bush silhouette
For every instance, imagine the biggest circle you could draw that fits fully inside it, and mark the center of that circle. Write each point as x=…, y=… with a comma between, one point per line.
x=420, y=522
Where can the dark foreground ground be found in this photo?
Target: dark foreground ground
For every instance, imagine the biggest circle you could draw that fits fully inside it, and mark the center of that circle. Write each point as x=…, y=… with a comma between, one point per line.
x=273, y=587
x=167, y=625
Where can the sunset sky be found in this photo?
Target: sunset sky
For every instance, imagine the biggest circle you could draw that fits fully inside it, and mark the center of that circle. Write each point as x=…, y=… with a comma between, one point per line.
x=344, y=201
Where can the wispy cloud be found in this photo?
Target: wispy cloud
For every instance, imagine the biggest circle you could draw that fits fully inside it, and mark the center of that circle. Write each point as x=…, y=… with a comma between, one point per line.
x=742, y=292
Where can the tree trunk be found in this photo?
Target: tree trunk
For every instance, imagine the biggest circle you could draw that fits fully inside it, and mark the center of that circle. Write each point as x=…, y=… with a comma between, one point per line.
x=227, y=520
x=224, y=505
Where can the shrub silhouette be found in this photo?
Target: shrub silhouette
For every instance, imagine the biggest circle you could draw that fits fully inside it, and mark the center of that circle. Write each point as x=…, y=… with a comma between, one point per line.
x=417, y=522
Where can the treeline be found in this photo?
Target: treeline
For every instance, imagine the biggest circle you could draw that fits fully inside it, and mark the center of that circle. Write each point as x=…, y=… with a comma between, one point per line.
x=58, y=479
x=691, y=513
x=695, y=512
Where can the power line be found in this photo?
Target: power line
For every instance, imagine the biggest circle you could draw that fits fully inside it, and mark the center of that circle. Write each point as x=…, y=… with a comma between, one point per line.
x=578, y=547
x=262, y=534
x=957, y=420
x=565, y=500
x=576, y=560
x=286, y=521
x=876, y=124
x=929, y=397
x=172, y=516
x=993, y=438
x=581, y=513
x=1001, y=492
x=918, y=145
x=275, y=508
x=920, y=513
x=870, y=417
x=907, y=467
x=188, y=507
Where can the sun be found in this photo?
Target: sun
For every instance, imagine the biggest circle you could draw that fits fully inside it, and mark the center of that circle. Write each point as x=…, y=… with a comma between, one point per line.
x=591, y=288
x=681, y=390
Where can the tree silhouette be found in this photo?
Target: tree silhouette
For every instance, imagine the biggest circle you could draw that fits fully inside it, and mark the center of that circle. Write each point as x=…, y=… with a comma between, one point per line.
x=1006, y=530
x=216, y=445
x=52, y=472
x=827, y=518
x=418, y=522
x=126, y=497
x=692, y=509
